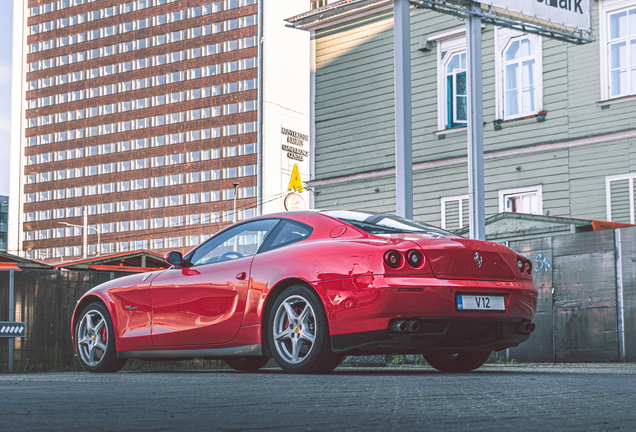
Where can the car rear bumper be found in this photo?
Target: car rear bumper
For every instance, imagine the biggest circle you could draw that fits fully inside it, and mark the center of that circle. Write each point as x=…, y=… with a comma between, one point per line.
x=439, y=335
x=361, y=309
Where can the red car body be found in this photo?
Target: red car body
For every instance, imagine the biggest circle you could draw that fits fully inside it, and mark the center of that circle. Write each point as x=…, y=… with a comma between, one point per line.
x=218, y=309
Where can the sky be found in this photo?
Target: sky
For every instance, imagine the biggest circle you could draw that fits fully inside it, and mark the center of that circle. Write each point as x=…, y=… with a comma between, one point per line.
x=6, y=21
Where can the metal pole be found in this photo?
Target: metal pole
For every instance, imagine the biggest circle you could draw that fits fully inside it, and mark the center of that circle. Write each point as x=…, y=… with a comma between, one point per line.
x=259, y=138
x=403, y=120
x=477, y=224
x=620, y=300
x=85, y=229
x=11, y=315
x=85, y=233
x=312, y=116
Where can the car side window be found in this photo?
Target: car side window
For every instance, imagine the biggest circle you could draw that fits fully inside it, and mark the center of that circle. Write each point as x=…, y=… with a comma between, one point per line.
x=240, y=241
x=287, y=233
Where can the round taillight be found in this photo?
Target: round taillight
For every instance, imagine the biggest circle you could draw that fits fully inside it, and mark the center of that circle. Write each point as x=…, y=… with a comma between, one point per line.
x=527, y=266
x=521, y=263
x=393, y=259
x=524, y=264
x=414, y=258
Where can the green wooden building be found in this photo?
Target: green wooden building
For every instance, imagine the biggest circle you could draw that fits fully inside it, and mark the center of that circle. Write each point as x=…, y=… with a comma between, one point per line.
x=560, y=118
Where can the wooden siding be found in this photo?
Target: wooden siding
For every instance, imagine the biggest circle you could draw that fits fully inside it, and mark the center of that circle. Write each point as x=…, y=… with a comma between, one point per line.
x=354, y=98
x=355, y=124
x=359, y=195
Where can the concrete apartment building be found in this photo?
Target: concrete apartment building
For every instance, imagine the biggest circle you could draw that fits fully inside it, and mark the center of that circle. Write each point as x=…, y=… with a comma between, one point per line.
x=560, y=119
x=150, y=121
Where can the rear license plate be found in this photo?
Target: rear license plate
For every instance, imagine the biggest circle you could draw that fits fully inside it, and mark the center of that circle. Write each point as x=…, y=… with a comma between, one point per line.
x=481, y=302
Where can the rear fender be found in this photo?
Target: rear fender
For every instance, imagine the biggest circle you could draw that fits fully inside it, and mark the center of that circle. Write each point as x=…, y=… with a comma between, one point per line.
x=273, y=294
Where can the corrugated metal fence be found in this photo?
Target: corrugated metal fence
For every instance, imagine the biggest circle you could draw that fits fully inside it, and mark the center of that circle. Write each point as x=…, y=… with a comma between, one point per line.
x=586, y=307
x=587, y=297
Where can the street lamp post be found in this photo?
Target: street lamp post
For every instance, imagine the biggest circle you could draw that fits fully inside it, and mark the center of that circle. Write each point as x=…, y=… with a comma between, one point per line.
x=85, y=242
x=236, y=185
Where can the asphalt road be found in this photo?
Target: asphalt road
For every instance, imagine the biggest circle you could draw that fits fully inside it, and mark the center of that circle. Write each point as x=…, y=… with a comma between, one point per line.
x=594, y=397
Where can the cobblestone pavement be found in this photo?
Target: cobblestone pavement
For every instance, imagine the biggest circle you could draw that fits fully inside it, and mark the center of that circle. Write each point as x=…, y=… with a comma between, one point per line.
x=523, y=397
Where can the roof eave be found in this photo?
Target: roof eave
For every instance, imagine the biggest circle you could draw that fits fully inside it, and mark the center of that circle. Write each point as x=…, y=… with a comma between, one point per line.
x=321, y=17
x=108, y=260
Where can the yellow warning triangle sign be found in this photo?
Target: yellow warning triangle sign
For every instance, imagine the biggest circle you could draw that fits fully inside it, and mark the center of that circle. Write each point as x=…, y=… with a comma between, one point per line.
x=295, y=183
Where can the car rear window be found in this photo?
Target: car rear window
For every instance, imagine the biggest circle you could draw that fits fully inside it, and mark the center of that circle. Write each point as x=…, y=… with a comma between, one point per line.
x=378, y=224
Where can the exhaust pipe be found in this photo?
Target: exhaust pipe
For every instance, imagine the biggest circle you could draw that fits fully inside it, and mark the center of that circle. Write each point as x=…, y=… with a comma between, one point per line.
x=414, y=326
x=526, y=327
x=399, y=326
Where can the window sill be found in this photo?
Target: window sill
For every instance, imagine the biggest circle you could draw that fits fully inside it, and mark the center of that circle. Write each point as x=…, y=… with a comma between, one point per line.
x=539, y=117
x=606, y=103
x=441, y=134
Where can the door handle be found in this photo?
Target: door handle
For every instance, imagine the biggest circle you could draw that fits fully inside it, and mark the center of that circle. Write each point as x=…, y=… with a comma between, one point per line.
x=241, y=276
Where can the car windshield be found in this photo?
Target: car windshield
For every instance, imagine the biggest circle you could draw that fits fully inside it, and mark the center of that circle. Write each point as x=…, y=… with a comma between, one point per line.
x=379, y=224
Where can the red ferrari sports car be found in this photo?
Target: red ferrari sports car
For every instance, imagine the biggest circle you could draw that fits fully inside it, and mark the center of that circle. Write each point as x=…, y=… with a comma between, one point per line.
x=309, y=288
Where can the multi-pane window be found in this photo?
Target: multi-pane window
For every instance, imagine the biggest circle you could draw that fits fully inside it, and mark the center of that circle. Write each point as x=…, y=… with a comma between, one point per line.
x=621, y=49
x=521, y=200
x=456, y=91
x=520, y=77
x=452, y=96
x=518, y=74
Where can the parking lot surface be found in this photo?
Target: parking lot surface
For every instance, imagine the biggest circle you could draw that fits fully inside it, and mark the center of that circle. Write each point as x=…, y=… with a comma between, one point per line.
x=520, y=397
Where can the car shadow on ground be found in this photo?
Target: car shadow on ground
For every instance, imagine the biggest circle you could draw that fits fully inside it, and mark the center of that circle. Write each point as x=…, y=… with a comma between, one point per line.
x=354, y=372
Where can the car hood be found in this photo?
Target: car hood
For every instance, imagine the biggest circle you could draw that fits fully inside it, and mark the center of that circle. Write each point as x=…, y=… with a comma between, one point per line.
x=126, y=281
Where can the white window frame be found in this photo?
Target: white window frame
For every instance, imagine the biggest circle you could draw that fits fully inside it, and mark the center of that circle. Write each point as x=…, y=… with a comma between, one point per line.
x=444, y=200
x=449, y=42
x=608, y=195
x=504, y=38
x=522, y=190
x=606, y=8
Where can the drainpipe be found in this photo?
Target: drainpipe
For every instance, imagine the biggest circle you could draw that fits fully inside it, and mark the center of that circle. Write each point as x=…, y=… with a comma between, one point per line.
x=259, y=121
x=620, y=309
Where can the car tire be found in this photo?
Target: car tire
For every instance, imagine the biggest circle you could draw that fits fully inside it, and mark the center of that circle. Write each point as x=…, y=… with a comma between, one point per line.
x=95, y=340
x=460, y=362
x=298, y=333
x=246, y=363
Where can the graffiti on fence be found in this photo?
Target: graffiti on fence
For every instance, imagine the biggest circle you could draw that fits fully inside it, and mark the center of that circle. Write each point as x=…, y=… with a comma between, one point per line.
x=541, y=263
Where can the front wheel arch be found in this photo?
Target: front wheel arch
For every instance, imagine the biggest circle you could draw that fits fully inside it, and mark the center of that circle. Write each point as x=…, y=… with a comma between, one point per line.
x=95, y=342
x=81, y=305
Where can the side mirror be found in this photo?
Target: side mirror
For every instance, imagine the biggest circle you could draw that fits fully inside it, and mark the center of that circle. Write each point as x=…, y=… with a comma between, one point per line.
x=174, y=258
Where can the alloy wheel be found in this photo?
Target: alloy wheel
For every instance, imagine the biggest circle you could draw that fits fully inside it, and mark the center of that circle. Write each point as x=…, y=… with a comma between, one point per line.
x=92, y=338
x=294, y=329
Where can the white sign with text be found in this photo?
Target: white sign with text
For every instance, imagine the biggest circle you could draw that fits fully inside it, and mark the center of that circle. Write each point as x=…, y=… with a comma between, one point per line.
x=571, y=13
